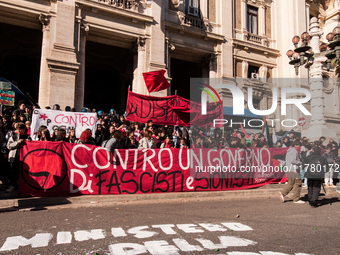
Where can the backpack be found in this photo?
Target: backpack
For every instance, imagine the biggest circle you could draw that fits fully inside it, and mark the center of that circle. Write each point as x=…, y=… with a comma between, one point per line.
x=317, y=167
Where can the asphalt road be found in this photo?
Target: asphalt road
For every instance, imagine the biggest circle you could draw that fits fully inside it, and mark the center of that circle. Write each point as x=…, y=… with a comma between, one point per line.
x=264, y=226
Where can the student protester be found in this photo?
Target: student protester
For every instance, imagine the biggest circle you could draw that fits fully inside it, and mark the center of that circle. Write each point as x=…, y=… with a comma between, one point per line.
x=28, y=127
x=61, y=135
x=156, y=136
x=55, y=134
x=13, y=144
x=305, y=159
x=132, y=144
x=3, y=154
x=329, y=158
x=6, y=119
x=313, y=176
x=183, y=144
x=21, y=108
x=45, y=135
x=37, y=136
x=72, y=136
x=146, y=142
x=114, y=142
x=86, y=137
x=168, y=143
x=293, y=163
x=99, y=135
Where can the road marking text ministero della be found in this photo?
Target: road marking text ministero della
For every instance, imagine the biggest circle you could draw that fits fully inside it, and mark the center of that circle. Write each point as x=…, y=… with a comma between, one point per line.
x=148, y=247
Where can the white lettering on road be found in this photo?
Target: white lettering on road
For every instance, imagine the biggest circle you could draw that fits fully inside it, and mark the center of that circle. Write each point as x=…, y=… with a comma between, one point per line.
x=161, y=248
x=167, y=228
x=213, y=227
x=226, y=241
x=121, y=249
x=190, y=228
x=118, y=232
x=64, y=237
x=137, y=231
x=185, y=246
x=39, y=240
x=262, y=253
x=237, y=226
x=83, y=235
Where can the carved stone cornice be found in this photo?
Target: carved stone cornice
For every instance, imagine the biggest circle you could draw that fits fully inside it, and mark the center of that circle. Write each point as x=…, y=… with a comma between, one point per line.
x=141, y=42
x=45, y=20
x=84, y=28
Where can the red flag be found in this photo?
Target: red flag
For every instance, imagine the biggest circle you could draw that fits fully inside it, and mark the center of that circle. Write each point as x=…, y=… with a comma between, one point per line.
x=244, y=132
x=155, y=81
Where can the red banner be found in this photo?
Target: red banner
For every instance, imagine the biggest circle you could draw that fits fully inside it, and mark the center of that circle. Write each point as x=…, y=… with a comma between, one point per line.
x=64, y=169
x=170, y=110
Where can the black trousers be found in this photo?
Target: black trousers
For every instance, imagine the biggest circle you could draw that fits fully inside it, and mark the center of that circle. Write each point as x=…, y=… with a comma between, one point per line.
x=314, y=187
x=15, y=173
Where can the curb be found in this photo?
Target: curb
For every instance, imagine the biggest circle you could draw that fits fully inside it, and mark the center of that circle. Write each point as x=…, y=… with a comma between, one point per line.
x=267, y=191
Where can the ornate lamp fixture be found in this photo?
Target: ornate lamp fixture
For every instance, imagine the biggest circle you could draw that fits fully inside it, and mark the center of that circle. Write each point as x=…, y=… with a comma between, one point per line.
x=303, y=53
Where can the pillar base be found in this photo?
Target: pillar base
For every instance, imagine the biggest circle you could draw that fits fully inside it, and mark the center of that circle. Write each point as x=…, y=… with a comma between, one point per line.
x=315, y=132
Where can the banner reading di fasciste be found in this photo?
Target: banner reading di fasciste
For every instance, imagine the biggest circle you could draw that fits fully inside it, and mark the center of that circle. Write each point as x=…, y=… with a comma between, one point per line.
x=64, y=169
x=53, y=119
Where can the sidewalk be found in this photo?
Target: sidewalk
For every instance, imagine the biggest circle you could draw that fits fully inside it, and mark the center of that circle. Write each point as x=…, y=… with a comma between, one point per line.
x=11, y=201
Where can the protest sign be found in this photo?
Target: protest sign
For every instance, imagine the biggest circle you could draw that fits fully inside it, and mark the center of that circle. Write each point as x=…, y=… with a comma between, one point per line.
x=170, y=110
x=64, y=169
x=5, y=85
x=7, y=97
x=53, y=119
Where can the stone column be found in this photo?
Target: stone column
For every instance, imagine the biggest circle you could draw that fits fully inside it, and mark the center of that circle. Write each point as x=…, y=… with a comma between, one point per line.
x=44, y=70
x=139, y=84
x=244, y=15
x=62, y=62
x=317, y=123
x=213, y=66
x=244, y=69
x=262, y=20
x=80, y=82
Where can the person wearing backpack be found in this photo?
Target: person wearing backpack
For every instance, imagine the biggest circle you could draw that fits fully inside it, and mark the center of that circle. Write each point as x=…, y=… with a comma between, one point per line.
x=316, y=167
x=293, y=163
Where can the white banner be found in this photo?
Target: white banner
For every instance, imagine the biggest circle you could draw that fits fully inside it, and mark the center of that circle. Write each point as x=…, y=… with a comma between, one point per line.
x=53, y=119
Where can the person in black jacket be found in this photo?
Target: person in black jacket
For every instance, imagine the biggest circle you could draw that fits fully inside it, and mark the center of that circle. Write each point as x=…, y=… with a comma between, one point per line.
x=317, y=166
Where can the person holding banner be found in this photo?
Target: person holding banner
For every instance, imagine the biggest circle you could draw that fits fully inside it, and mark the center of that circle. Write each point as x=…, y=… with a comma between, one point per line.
x=45, y=135
x=72, y=136
x=13, y=144
x=168, y=143
x=86, y=137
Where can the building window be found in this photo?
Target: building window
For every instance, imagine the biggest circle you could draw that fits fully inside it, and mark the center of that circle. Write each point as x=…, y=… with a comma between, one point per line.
x=194, y=3
x=252, y=19
x=253, y=72
x=193, y=8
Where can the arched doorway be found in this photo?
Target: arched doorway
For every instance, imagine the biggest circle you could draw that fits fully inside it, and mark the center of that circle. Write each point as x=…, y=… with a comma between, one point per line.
x=108, y=74
x=20, y=54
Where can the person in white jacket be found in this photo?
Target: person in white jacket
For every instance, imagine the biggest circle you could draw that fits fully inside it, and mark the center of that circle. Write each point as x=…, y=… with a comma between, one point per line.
x=293, y=165
x=19, y=135
x=146, y=142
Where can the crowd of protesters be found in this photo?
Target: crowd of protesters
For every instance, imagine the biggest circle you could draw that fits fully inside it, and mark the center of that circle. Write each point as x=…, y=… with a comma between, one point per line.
x=113, y=131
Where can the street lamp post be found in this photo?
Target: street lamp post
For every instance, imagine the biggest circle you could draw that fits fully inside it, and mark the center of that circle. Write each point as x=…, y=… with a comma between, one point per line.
x=312, y=55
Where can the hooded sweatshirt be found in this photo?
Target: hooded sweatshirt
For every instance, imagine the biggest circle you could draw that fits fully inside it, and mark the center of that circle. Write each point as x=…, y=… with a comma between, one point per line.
x=292, y=159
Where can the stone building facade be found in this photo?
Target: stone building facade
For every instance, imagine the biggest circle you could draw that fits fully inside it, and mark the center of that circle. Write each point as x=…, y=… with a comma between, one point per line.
x=88, y=52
